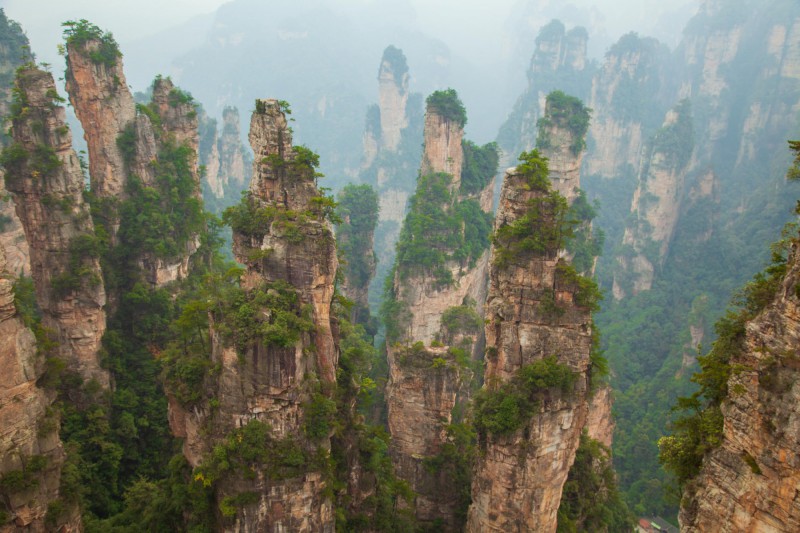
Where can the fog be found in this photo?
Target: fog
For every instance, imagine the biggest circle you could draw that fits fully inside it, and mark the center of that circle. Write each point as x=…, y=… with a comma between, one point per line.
x=483, y=48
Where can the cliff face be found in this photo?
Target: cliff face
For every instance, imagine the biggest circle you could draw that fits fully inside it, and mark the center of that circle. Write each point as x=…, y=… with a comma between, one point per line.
x=393, y=97
x=656, y=204
x=129, y=148
x=429, y=371
x=44, y=175
x=30, y=449
x=99, y=94
x=231, y=151
x=442, y=147
x=750, y=482
x=562, y=143
x=273, y=385
x=12, y=54
x=519, y=476
x=222, y=155
x=627, y=101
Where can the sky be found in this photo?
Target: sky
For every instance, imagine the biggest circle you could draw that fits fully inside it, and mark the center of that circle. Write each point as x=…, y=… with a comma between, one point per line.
x=478, y=28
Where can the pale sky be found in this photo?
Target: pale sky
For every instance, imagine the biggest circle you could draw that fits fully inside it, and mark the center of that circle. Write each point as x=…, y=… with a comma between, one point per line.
x=470, y=27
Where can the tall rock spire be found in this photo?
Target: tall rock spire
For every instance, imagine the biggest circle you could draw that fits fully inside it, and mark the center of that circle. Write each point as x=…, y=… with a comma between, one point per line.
x=275, y=344
x=434, y=331
x=44, y=175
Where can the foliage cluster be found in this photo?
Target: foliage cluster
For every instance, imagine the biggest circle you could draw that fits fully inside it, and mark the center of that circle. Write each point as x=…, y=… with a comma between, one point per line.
x=587, y=242
x=542, y=230
x=676, y=140
x=460, y=320
x=590, y=500
x=503, y=409
x=699, y=430
x=479, y=166
x=358, y=210
x=439, y=229
x=84, y=250
x=453, y=465
x=447, y=104
x=568, y=112
x=81, y=32
x=271, y=313
x=396, y=60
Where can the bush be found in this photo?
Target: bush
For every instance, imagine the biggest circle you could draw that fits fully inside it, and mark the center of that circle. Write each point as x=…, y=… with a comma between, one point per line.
x=506, y=408
x=81, y=32
x=447, y=104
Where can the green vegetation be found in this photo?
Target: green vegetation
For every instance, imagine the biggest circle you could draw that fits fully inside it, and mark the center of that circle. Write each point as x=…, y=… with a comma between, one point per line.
x=439, y=229
x=502, y=410
x=590, y=500
x=84, y=250
x=16, y=481
x=396, y=60
x=479, y=166
x=544, y=228
x=241, y=320
x=700, y=430
x=587, y=242
x=453, y=466
x=676, y=140
x=447, y=104
x=77, y=34
x=460, y=320
x=564, y=111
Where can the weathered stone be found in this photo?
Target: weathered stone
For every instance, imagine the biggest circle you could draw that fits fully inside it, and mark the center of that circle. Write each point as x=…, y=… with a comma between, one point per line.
x=751, y=482
x=518, y=478
x=266, y=382
x=48, y=184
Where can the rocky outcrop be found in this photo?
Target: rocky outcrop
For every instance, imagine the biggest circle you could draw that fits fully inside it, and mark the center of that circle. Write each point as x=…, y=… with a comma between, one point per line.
x=273, y=385
x=358, y=209
x=429, y=370
x=393, y=97
x=12, y=236
x=656, y=204
x=750, y=482
x=231, y=151
x=222, y=155
x=31, y=454
x=442, y=150
x=128, y=147
x=628, y=95
x=561, y=139
x=13, y=53
x=533, y=312
x=98, y=91
x=559, y=62
x=600, y=421
x=45, y=177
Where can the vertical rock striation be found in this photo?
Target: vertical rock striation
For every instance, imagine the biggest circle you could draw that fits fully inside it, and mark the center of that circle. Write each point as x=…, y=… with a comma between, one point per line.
x=628, y=98
x=30, y=450
x=435, y=313
x=519, y=475
x=133, y=147
x=750, y=482
x=393, y=97
x=656, y=204
x=277, y=367
x=231, y=151
x=13, y=53
x=44, y=175
x=534, y=404
x=99, y=93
